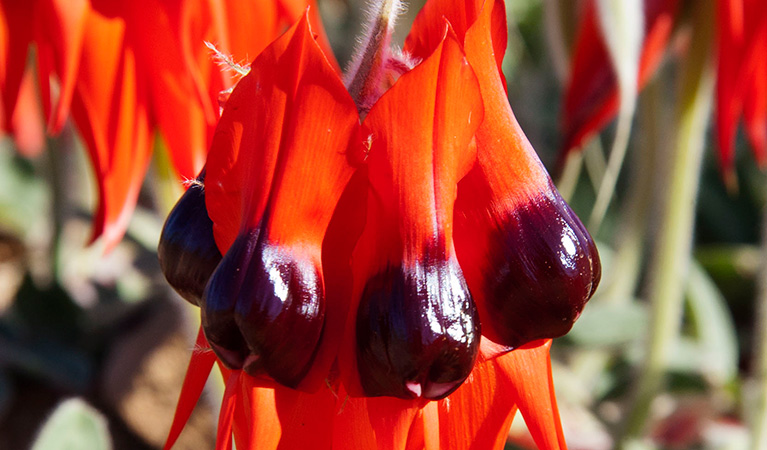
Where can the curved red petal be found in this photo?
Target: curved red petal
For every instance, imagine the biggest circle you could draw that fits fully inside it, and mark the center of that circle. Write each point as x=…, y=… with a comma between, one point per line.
x=16, y=36
x=591, y=97
x=528, y=379
x=200, y=365
x=418, y=134
x=60, y=31
x=475, y=417
x=110, y=111
x=27, y=121
x=755, y=88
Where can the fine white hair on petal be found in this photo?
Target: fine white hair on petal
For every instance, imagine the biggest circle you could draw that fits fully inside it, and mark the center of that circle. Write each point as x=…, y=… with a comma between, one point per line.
x=226, y=61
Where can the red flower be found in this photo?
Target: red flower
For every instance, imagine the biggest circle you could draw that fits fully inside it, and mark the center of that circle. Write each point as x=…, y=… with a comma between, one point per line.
x=741, y=78
x=124, y=69
x=591, y=100
x=591, y=97
x=361, y=261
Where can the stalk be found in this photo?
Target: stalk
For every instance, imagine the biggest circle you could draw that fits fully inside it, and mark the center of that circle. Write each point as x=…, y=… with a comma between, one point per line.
x=670, y=262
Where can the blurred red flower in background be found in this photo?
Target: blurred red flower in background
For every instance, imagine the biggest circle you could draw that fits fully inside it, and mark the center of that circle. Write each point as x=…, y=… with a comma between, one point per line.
x=125, y=69
x=591, y=98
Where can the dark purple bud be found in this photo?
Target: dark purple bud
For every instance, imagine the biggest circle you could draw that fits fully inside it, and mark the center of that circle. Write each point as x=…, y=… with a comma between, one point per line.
x=542, y=268
x=418, y=331
x=187, y=251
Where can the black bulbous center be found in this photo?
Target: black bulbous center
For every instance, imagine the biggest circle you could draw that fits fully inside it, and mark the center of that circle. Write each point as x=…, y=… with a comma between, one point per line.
x=418, y=331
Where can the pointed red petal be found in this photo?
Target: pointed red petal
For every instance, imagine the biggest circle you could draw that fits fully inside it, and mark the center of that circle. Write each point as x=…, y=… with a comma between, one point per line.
x=228, y=406
x=529, y=382
x=60, y=31
x=755, y=107
x=476, y=416
x=171, y=89
x=27, y=120
x=16, y=31
x=110, y=111
x=200, y=365
x=591, y=98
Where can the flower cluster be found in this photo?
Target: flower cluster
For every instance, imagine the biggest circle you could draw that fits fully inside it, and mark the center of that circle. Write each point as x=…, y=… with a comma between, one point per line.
x=366, y=264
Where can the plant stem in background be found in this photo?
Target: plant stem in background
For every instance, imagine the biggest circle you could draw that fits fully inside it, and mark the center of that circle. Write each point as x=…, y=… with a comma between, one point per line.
x=759, y=372
x=670, y=261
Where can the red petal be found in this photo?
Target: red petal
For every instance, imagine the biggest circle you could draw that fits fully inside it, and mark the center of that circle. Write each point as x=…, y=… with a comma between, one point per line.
x=200, y=365
x=373, y=423
x=427, y=29
x=60, y=30
x=109, y=110
x=528, y=380
x=172, y=91
x=279, y=417
x=755, y=107
x=476, y=416
x=294, y=152
x=27, y=120
x=591, y=99
x=15, y=36
x=229, y=404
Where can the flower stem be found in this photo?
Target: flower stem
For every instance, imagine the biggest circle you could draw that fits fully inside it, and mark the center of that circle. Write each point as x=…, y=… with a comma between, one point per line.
x=670, y=262
x=367, y=66
x=759, y=372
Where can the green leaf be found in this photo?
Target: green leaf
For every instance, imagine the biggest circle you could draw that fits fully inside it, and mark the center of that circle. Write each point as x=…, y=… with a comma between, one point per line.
x=74, y=426
x=608, y=324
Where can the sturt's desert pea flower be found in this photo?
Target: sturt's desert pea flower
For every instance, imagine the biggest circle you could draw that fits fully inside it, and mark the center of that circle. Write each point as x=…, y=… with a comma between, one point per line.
x=395, y=259
x=124, y=71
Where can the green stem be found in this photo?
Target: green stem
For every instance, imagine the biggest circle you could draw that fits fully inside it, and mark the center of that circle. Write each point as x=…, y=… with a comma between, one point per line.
x=670, y=262
x=570, y=175
x=634, y=215
x=759, y=373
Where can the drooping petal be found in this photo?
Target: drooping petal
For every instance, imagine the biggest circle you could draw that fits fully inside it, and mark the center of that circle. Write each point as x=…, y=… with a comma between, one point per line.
x=591, y=98
x=477, y=416
x=178, y=113
x=415, y=325
x=742, y=32
x=15, y=35
x=529, y=382
x=197, y=373
x=276, y=170
x=59, y=31
x=27, y=122
x=109, y=111
x=755, y=108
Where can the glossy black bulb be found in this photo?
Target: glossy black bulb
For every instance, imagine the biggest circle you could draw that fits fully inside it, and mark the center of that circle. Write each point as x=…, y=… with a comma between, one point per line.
x=187, y=251
x=418, y=331
x=543, y=268
x=264, y=310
